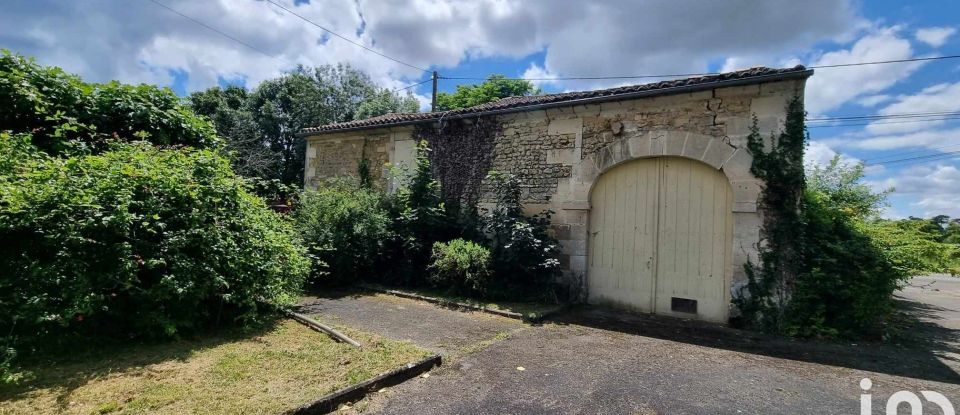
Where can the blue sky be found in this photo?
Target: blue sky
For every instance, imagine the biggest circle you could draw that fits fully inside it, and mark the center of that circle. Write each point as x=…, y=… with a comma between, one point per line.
x=138, y=41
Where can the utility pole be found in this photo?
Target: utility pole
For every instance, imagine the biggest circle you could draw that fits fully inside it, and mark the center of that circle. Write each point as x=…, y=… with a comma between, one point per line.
x=433, y=105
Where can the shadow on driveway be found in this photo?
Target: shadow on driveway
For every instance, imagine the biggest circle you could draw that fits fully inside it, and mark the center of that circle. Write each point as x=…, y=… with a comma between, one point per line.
x=920, y=357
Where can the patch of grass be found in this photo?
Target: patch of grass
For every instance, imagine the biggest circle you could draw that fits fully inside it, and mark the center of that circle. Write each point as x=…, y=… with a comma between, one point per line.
x=268, y=371
x=527, y=309
x=479, y=346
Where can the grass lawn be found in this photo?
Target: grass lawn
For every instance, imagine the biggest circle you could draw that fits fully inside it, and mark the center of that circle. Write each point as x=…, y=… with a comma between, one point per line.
x=267, y=371
x=527, y=309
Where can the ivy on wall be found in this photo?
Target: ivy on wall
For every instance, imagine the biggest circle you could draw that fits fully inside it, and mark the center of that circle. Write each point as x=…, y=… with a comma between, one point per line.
x=461, y=154
x=778, y=161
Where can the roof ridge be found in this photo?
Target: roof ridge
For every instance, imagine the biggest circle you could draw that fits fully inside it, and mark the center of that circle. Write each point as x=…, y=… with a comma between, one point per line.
x=520, y=102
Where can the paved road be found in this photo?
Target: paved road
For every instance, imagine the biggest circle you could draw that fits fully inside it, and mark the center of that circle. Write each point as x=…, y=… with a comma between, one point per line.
x=595, y=361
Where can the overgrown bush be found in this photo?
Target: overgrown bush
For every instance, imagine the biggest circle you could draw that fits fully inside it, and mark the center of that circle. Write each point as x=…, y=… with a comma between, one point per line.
x=136, y=241
x=420, y=219
x=461, y=267
x=346, y=227
x=846, y=282
x=820, y=273
x=63, y=114
x=524, y=254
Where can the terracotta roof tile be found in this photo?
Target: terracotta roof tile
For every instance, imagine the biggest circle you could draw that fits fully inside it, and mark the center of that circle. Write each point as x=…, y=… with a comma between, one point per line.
x=519, y=103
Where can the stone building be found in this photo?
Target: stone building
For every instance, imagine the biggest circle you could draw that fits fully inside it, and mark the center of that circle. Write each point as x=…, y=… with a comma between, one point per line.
x=655, y=205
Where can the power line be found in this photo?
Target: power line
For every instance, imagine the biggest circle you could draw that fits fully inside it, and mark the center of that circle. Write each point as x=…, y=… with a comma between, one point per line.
x=411, y=86
x=219, y=32
x=885, y=116
x=926, y=158
x=843, y=65
x=589, y=78
x=343, y=37
x=893, y=156
x=594, y=78
x=883, y=123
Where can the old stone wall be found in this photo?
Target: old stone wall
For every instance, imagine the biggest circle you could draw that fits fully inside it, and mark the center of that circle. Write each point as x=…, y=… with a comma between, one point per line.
x=339, y=155
x=559, y=153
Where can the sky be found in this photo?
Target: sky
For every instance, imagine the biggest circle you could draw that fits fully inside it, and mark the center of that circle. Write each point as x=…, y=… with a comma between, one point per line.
x=140, y=41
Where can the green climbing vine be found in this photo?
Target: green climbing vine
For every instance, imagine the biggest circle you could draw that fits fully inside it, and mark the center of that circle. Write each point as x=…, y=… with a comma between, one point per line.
x=777, y=161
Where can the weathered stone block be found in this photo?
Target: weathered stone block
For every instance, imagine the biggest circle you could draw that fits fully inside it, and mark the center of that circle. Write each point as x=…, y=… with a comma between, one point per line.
x=565, y=126
x=561, y=156
x=735, y=125
x=656, y=144
x=737, y=167
x=673, y=143
x=572, y=247
x=696, y=146
x=717, y=153
x=746, y=191
x=639, y=146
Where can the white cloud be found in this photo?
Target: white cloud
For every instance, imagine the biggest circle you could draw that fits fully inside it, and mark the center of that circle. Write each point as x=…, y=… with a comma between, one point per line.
x=927, y=138
x=932, y=190
x=819, y=153
x=933, y=99
x=539, y=76
x=139, y=41
x=143, y=42
x=873, y=100
x=829, y=89
x=935, y=36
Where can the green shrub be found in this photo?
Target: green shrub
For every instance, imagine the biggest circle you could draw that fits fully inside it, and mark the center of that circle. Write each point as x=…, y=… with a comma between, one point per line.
x=461, y=266
x=524, y=253
x=66, y=115
x=846, y=282
x=420, y=220
x=346, y=226
x=136, y=241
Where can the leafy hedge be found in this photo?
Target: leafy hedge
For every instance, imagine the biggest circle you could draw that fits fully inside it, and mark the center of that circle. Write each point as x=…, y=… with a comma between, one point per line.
x=347, y=228
x=137, y=241
x=63, y=114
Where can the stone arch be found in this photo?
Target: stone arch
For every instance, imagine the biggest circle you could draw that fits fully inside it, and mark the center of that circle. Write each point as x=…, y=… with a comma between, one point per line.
x=716, y=152
x=733, y=161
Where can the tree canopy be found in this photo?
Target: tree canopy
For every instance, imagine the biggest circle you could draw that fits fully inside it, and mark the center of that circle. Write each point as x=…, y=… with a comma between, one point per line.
x=494, y=88
x=261, y=125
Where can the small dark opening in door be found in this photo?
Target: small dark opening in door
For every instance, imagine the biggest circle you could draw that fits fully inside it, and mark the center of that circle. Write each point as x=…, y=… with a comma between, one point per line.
x=683, y=305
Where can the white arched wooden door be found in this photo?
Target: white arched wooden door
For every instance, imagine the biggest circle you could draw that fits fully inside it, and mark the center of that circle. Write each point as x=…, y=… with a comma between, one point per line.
x=660, y=238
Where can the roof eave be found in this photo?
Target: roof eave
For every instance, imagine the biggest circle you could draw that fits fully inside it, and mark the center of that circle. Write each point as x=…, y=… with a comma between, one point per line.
x=786, y=76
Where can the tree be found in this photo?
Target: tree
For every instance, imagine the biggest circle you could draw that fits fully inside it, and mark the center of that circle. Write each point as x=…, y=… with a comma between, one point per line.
x=494, y=88
x=842, y=185
x=262, y=125
x=227, y=108
x=953, y=232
